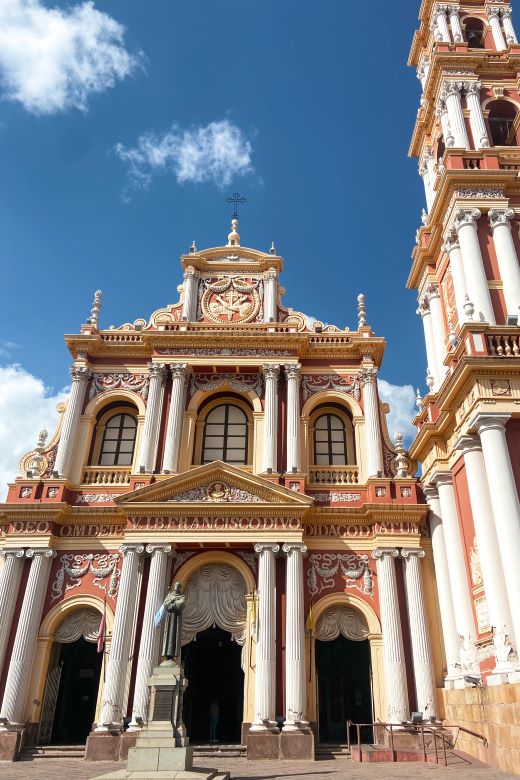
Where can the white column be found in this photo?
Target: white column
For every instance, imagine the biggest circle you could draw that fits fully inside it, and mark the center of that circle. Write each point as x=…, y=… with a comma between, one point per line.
x=451, y=94
x=419, y=634
x=442, y=112
x=189, y=305
x=265, y=677
x=493, y=15
x=465, y=223
x=113, y=689
x=442, y=579
x=499, y=219
x=150, y=635
x=270, y=295
x=423, y=70
x=428, y=191
x=19, y=673
x=374, y=441
x=172, y=446
x=452, y=247
x=456, y=31
x=270, y=460
x=476, y=117
x=69, y=428
x=152, y=417
x=487, y=541
x=393, y=651
x=456, y=561
x=438, y=330
x=295, y=690
x=508, y=26
x=441, y=23
x=424, y=313
x=292, y=373
x=504, y=500
x=9, y=583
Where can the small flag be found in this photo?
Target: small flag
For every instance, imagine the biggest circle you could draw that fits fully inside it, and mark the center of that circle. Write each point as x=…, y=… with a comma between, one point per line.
x=312, y=624
x=102, y=629
x=159, y=616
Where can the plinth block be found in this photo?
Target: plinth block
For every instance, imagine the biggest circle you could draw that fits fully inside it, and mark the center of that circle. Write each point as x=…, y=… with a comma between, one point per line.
x=102, y=746
x=10, y=745
x=297, y=745
x=127, y=740
x=263, y=745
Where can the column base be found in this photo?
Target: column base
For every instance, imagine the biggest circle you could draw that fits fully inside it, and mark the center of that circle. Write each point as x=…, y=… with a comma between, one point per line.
x=263, y=745
x=102, y=746
x=10, y=744
x=297, y=745
x=264, y=727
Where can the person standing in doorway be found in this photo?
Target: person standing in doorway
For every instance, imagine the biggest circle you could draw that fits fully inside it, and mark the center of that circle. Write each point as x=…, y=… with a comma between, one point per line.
x=214, y=713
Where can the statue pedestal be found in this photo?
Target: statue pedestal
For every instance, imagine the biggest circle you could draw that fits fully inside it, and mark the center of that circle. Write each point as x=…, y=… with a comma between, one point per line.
x=162, y=748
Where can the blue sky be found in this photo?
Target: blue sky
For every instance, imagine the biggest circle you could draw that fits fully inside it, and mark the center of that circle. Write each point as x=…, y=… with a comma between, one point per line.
x=321, y=103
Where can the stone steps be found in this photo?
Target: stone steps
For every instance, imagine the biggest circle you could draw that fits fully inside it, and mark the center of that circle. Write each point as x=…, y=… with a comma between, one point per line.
x=383, y=754
x=52, y=751
x=325, y=750
x=221, y=751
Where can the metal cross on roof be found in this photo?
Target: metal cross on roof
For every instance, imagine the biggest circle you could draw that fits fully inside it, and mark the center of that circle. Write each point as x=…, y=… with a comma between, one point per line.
x=236, y=198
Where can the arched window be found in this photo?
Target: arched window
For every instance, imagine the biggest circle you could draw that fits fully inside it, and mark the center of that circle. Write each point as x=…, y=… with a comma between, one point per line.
x=503, y=122
x=117, y=447
x=475, y=33
x=330, y=441
x=225, y=435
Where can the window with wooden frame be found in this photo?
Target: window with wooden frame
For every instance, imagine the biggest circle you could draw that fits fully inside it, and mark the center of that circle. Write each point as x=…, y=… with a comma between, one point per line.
x=225, y=435
x=333, y=438
x=118, y=443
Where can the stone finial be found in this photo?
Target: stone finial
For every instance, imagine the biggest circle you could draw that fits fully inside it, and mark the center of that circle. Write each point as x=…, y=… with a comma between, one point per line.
x=424, y=217
x=419, y=400
x=430, y=381
x=272, y=251
x=193, y=248
x=362, y=312
x=469, y=309
x=37, y=463
x=401, y=464
x=233, y=237
x=96, y=308
x=42, y=438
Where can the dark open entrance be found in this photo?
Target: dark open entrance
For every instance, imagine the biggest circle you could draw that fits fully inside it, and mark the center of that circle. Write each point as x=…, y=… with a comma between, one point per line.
x=214, y=673
x=344, y=687
x=79, y=668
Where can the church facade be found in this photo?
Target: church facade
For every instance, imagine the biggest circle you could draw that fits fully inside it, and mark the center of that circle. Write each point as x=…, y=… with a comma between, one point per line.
x=239, y=448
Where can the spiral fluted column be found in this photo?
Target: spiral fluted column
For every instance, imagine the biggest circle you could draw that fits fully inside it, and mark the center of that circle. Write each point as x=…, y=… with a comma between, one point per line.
x=292, y=373
x=69, y=428
x=152, y=417
x=375, y=464
x=172, y=444
x=271, y=374
x=265, y=677
x=9, y=583
x=295, y=704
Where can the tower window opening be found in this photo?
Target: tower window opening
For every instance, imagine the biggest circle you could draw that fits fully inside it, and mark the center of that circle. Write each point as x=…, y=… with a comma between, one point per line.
x=330, y=441
x=503, y=123
x=117, y=448
x=475, y=33
x=225, y=435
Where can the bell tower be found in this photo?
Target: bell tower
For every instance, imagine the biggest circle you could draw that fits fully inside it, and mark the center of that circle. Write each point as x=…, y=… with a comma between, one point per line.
x=466, y=271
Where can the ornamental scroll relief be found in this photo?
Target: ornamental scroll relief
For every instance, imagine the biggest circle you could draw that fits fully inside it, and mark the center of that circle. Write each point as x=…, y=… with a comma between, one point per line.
x=217, y=492
x=230, y=299
x=74, y=567
x=242, y=383
x=137, y=383
x=319, y=384
x=355, y=571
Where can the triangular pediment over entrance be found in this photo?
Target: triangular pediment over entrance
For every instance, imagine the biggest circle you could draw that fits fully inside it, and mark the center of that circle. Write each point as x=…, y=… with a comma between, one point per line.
x=214, y=485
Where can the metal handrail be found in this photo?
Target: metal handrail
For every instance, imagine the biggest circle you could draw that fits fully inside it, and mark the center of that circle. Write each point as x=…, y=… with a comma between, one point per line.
x=419, y=727
x=468, y=731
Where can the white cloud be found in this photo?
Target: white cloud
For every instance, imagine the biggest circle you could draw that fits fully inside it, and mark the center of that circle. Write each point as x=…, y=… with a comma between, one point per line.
x=401, y=399
x=52, y=59
x=26, y=407
x=215, y=153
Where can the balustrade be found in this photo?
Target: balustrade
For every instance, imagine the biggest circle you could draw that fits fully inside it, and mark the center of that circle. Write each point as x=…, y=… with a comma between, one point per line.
x=334, y=475
x=504, y=345
x=114, y=475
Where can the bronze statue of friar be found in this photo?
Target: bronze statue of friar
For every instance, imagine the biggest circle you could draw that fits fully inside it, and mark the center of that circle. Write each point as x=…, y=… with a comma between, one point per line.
x=174, y=603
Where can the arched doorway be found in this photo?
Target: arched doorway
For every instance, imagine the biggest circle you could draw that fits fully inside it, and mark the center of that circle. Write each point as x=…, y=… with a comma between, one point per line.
x=343, y=672
x=71, y=688
x=213, y=635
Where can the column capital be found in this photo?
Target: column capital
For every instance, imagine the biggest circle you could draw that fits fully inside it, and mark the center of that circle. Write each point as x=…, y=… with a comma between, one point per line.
x=472, y=87
x=45, y=552
x=409, y=552
x=178, y=370
x=442, y=478
x=500, y=217
x=151, y=549
x=190, y=272
x=16, y=552
x=138, y=549
x=507, y=12
x=290, y=547
x=468, y=444
x=466, y=217
x=80, y=373
x=432, y=291
x=451, y=241
x=380, y=552
x=431, y=493
x=487, y=422
x=262, y=547
x=271, y=273
x=293, y=371
x=271, y=371
x=368, y=376
x=451, y=88
x=492, y=13
x=157, y=369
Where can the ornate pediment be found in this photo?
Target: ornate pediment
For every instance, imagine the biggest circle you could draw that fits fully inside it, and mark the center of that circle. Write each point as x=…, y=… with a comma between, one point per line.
x=216, y=483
